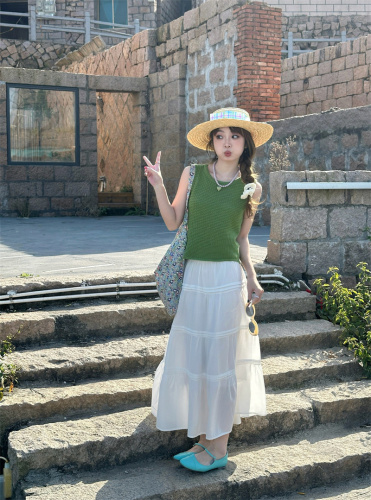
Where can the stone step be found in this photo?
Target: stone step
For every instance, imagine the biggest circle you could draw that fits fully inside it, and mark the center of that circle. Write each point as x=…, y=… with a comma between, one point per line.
x=125, y=436
x=355, y=489
x=37, y=401
x=82, y=322
x=324, y=455
x=134, y=354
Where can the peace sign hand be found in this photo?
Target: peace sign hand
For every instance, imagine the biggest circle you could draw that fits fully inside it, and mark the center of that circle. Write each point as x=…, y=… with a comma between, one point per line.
x=153, y=172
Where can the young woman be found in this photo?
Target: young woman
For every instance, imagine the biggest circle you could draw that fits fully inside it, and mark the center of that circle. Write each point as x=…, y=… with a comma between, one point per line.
x=211, y=374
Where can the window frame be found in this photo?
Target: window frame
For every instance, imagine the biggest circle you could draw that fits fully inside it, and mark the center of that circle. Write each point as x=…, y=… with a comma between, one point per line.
x=75, y=91
x=97, y=12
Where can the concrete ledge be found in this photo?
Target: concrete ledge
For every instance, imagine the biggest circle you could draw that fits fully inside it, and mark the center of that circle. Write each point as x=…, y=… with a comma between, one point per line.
x=104, y=83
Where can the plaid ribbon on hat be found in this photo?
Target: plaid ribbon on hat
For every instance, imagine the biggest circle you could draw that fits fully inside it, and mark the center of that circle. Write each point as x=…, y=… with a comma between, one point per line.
x=230, y=113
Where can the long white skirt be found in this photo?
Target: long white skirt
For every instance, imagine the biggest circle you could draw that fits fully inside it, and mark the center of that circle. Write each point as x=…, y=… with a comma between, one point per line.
x=211, y=374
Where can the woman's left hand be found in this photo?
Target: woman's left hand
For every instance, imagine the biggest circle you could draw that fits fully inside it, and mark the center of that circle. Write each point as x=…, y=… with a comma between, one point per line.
x=254, y=290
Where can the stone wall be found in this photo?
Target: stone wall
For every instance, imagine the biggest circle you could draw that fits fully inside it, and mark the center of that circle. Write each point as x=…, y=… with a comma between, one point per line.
x=333, y=140
x=336, y=76
x=193, y=69
x=32, y=55
x=323, y=7
x=58, y=189
x=313, y=26
x=313, y=230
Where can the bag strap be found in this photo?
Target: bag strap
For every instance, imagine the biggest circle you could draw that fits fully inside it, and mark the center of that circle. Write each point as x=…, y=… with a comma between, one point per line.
x=192, y=172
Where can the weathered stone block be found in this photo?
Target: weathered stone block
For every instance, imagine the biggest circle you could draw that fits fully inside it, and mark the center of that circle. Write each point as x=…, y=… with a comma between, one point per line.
x=291, y=256
x=163, y=33
x=216, y=75
x=41, y=172
x=62, y=203
x=191, y=19
x=359, y=196
x=16, y=173
x=347, y=222
x=279, y=193
x=354, y=253
x=207, y=11
x=197, y=44
x=349, y=140
x=322, y=255
x=274, y=252
x=325, y=197
x=172, y=45
x=39, y=204
x=53, y=189
x=77, y=189
x=297, y=224
x=223, y=93
x=176, y=27
x=203, y=62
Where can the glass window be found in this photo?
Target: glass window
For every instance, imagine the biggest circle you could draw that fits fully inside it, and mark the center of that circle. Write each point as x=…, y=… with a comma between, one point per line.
x=42, y=124
x=115, y=11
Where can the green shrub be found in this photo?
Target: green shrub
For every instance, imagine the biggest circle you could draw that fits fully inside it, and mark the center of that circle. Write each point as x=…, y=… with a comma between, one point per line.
x=8, y=371
x=351, y=309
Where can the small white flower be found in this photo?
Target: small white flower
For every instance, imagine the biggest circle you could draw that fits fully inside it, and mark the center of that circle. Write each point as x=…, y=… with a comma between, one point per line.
x=248, y=190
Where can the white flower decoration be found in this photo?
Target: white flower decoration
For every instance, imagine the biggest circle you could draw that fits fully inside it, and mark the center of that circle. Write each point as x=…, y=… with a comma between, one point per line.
x=248, y=190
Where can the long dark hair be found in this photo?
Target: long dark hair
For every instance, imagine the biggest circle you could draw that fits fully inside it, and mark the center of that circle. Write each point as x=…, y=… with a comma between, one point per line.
x=245, y=162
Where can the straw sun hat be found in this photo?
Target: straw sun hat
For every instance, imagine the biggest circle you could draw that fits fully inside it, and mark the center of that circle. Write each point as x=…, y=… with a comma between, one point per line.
x=199, y=136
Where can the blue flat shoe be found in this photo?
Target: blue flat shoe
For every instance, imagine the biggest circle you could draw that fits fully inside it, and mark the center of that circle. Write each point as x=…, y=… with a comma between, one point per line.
x=192, y=463
x=185, y=454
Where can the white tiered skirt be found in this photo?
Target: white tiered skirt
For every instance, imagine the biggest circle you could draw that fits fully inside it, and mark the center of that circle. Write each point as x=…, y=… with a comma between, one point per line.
x=211, y=374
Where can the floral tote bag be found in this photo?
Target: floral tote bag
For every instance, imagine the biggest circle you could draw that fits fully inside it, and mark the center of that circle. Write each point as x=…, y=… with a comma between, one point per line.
x=169, y=273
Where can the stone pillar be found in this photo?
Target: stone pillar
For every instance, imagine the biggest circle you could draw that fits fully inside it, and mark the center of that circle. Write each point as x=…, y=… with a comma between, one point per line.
x=312, y=230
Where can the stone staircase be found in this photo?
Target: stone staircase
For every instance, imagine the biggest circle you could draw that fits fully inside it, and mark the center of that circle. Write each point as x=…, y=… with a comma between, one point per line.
x=79, y=424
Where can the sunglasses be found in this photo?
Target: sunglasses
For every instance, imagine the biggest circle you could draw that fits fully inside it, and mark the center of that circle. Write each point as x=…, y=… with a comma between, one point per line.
x=253, y=325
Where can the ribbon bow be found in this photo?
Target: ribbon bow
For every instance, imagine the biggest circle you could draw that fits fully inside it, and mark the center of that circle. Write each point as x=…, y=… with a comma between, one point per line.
x=248, y=190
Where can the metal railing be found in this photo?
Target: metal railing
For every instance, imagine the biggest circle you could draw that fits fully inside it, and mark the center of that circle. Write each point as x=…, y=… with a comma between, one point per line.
x=88, y=26
x=291, y=40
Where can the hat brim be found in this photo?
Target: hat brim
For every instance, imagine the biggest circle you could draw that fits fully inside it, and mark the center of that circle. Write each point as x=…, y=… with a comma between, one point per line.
x=199, y=136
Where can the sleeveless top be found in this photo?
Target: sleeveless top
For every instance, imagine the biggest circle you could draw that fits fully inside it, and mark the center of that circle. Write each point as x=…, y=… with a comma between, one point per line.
x=214, y=218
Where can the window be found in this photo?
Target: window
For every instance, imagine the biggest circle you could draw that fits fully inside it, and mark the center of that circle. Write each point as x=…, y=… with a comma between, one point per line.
x=115, y=11
x=13, y=33
x=42, y=125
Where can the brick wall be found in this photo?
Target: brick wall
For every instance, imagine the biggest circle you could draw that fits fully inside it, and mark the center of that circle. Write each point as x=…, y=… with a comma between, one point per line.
x=322, y=7
x=258, y=60
x=313, y=230
x=333, y=140
x=336, y=76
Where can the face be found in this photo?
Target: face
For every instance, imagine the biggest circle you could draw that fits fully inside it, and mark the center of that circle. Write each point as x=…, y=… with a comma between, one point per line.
x=228, y=145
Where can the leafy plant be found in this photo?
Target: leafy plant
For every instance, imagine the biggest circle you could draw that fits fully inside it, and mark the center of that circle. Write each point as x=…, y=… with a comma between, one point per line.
x=135, y=211
x=8, y=371
x=25, y=275
x=351, y=309
x=368, y=231
x=126, y=189
x=279, y=154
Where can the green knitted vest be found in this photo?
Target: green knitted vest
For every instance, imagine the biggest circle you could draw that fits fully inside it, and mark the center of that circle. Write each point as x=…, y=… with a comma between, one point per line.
x=214, y=218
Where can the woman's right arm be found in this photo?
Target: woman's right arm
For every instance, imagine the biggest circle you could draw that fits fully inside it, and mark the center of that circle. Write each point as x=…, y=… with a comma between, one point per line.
x=172, y=213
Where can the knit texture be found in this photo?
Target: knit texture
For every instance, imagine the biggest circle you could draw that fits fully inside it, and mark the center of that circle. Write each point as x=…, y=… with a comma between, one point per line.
x=214, y=218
